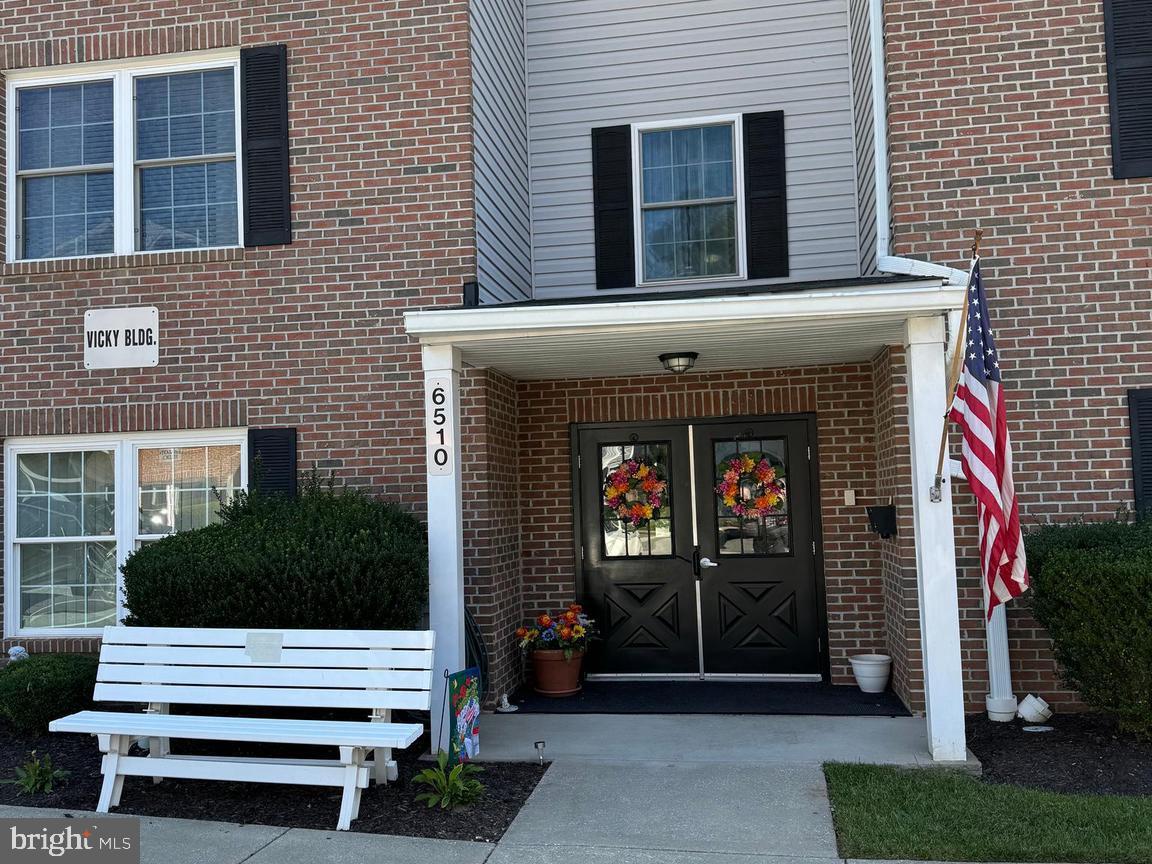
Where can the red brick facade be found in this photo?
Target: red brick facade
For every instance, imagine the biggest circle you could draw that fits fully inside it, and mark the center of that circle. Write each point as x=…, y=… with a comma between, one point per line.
x=999, y=119
x=308, y=335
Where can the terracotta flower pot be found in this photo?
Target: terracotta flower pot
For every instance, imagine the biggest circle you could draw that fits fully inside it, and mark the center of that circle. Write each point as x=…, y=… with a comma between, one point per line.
x=556, y=676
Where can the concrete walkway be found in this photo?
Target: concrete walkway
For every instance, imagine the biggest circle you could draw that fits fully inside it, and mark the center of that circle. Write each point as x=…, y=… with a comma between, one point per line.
x=633, y=789
x=729, y=739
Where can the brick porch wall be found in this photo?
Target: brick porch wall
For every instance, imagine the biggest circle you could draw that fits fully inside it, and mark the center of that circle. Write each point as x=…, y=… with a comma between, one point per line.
x=308, y=335
x=492, y=584
x=898, y=554
x=999, y=119
x=841, y=398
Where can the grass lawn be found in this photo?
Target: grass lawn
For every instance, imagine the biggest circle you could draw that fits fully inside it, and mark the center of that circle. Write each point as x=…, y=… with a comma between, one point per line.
x=930, y=814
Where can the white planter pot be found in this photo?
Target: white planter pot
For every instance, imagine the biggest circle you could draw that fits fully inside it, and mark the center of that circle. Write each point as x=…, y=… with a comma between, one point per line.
x=872, y=671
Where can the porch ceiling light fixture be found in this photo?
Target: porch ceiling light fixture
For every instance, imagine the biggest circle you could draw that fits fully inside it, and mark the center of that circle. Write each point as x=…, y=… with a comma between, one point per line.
x=680, y=362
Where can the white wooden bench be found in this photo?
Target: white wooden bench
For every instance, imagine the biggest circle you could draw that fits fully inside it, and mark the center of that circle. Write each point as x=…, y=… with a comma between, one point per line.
x=377, y=670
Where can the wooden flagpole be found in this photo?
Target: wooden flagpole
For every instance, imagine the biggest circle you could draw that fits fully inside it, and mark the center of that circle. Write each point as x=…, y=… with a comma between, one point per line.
x=954, y=372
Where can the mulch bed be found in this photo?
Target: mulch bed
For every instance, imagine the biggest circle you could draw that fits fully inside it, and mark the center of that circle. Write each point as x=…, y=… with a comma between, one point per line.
x=387, y=809
x=1084, y=753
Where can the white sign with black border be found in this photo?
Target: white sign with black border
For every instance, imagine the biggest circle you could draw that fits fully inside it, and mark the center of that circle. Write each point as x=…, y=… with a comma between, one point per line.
x=122, y=338
x=441, y=425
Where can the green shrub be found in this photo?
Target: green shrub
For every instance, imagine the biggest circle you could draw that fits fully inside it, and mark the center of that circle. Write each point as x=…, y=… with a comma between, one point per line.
x=327, y=559
x=1117, y=534
x=45, y=687
x=1092, y=590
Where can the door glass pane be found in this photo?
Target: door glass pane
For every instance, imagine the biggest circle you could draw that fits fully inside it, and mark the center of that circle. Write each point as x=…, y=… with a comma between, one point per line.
x=752, y=504
x=636, y=500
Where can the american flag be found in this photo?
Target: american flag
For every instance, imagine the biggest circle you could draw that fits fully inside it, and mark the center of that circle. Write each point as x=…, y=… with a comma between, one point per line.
x=987, y=454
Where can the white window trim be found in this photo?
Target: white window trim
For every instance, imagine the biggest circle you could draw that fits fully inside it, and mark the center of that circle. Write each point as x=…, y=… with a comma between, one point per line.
x=737, y=123
x=123, y=75
x=123, y=448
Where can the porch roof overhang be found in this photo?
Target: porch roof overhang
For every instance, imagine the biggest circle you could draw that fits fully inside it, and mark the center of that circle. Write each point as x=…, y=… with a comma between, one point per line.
x=814, y=327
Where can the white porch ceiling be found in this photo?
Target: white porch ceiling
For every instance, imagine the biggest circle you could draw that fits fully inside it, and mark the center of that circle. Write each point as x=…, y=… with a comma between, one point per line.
x=802, y=328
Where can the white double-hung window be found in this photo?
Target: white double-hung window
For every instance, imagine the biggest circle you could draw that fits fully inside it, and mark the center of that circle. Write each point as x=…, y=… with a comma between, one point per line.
x=106, y=160
x=76, y=507
x=688, y=179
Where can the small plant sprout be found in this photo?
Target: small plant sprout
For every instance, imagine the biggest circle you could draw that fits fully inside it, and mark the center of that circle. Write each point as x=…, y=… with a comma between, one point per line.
x=448, y=789
x=37, y=775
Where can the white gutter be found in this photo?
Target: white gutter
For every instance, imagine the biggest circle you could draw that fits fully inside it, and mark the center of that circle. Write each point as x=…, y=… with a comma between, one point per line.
x=885, y=261
x=460, y=326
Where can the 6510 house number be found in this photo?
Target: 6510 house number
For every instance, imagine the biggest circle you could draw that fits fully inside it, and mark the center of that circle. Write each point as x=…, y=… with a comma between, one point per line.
x=441, y=425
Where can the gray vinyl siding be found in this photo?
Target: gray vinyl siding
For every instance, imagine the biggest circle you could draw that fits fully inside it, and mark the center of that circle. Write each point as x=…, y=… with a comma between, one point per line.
x=500, y=136
x=609, y=62
x=858, y=14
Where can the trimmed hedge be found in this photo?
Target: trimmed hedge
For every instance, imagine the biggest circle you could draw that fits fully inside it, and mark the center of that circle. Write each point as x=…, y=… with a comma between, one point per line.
x=1092, y=590
x=327, y=559
x=45, y=687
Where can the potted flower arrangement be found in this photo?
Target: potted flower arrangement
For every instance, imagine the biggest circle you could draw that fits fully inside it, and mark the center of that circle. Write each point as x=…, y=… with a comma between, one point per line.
x=556, y=645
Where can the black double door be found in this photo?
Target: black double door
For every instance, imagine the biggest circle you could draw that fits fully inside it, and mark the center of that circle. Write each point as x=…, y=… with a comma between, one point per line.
x=719, y=578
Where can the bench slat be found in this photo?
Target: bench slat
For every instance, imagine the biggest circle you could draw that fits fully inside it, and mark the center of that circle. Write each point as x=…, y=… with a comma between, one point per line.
x=383, y=679
x=251, y=772
x=337, y=733
x=375, y=658
x=419, y=700
x=197, y=636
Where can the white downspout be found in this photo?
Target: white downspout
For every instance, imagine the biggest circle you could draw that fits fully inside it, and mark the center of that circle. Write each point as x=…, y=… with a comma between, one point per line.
x=880, y=129
x=885, y=262
x=1000, y=701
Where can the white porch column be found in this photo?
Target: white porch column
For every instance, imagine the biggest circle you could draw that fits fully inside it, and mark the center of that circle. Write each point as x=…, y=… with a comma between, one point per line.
x=445, y=522
x=1000, y=701
x=935, y=542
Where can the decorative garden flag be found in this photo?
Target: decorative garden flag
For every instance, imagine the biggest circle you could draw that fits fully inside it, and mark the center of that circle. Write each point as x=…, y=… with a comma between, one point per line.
x=464, y=734
x=987, y=454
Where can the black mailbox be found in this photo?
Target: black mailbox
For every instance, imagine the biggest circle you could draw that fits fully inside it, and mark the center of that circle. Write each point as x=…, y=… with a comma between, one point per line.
x=882, y=520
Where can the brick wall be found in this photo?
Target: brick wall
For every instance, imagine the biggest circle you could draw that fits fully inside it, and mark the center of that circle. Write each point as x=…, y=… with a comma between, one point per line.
x=898, y=554
x=1000, y=120
x=841, y=398
x=492, y=586
x=308, y=335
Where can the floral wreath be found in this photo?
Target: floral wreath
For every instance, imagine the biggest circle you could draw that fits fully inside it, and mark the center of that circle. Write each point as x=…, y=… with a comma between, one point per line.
x=744, y=472
x=635, y=492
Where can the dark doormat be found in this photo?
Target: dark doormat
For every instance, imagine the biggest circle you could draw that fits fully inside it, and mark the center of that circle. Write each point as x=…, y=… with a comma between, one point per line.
x=716, y=697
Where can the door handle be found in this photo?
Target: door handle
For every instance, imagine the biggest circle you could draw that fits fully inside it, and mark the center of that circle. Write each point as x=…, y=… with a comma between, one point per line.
x=708, y=562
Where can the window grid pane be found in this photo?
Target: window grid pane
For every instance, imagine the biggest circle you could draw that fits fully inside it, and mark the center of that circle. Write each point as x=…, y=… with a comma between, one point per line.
x=178, y=486
x=65, y=494
x=67, y=585
x=188, y=205
x=65, y=126
x=688, y=241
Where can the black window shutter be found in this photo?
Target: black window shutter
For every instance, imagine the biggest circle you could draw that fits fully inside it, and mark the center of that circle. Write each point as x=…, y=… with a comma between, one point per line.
x=272, y=460
x=612, y=207
x=1140, y=411
x=766, y=195
x=1128, y=34
x=264, y=145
